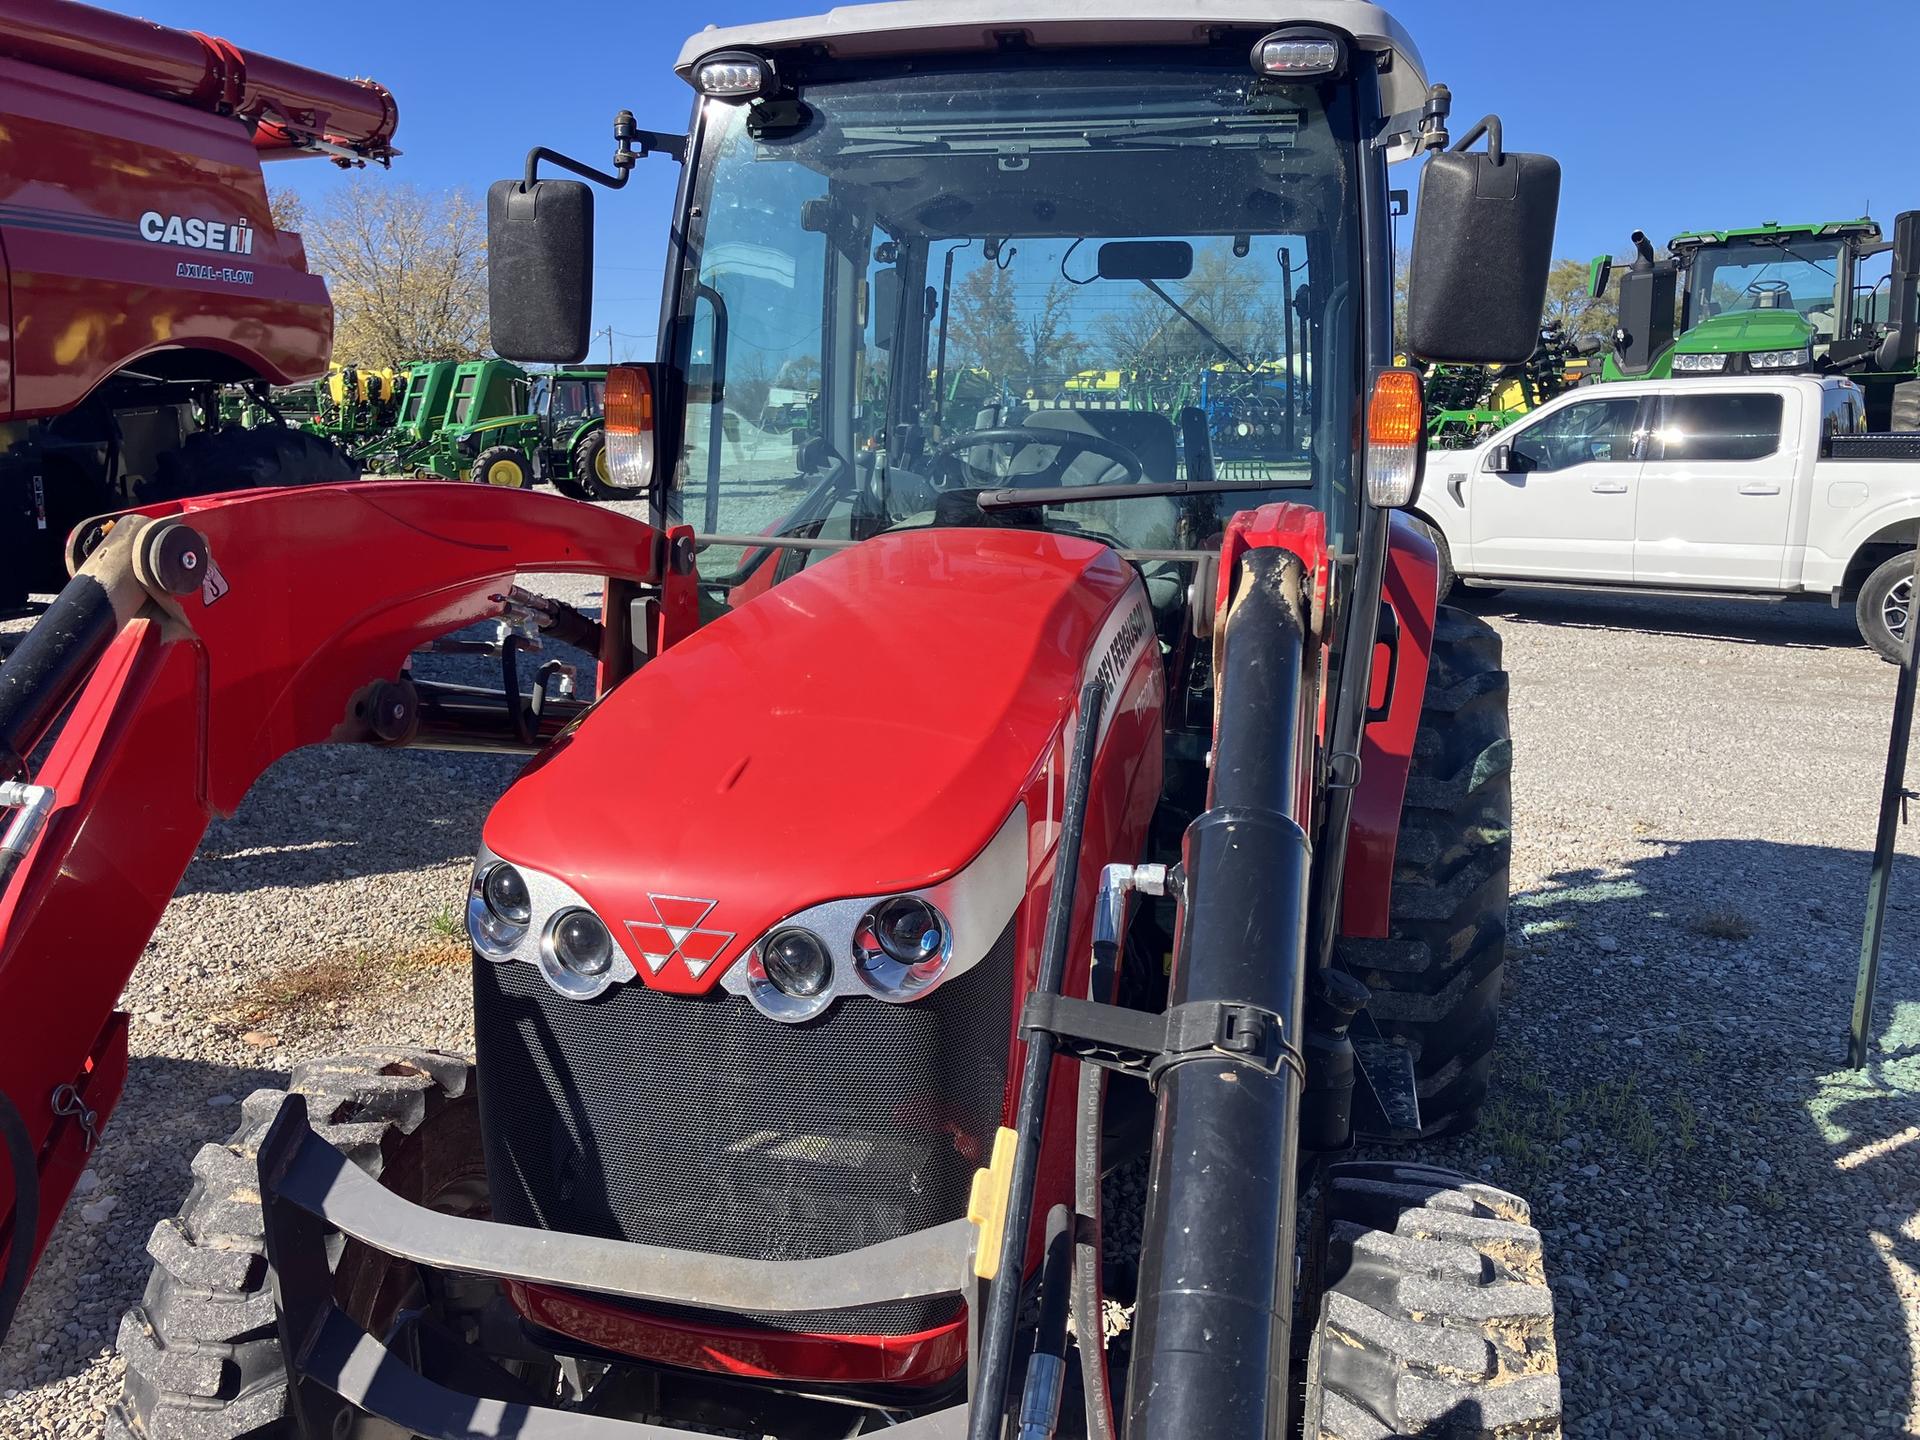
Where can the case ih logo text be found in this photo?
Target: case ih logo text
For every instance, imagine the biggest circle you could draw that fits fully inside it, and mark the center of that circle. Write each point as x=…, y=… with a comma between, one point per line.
x=197, y=234
x=675, y=930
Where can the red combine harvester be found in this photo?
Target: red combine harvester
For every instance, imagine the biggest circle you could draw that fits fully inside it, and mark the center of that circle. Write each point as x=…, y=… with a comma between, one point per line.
x=142, y=269
x=978, y=809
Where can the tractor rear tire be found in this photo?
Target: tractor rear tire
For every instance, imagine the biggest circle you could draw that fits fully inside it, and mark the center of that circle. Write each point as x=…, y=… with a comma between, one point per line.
x=1884, y=607
x=502, y=466
x=590, y=473
x=1903, y=411
x=211, y=462
x=202, y=1347
x=1429, y=1308
x=1436, y=978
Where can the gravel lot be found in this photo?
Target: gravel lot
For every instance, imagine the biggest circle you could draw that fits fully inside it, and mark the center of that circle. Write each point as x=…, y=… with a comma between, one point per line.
x=1733, y=1221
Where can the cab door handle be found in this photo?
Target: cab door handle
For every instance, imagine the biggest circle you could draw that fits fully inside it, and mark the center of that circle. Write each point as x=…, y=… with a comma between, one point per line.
x=1759, y=487
x=1609, y=487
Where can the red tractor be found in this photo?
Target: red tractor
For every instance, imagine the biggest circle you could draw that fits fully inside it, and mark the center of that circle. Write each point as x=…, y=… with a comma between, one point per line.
x=977, y=809
x=142, y=269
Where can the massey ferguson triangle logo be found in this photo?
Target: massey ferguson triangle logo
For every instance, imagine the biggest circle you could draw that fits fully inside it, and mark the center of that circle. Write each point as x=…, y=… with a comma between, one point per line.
x=675, y=930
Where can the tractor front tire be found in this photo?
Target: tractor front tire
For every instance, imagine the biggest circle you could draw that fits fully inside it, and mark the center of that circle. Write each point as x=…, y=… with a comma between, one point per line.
x=1429, y=1308
x=1884, y=606
x=504, y=466
x=1445, y=578
x=1436, y=977
x=203, y=1347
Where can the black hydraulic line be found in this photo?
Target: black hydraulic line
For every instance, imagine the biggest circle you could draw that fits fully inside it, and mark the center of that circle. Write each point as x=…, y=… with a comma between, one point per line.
x=24, y=1168
x=1214, y=1310
x=48, y=667
x=716, y=392
x=1047, y=1364
x=1893, y=803
x=989, y=1401
x=1096, y=1385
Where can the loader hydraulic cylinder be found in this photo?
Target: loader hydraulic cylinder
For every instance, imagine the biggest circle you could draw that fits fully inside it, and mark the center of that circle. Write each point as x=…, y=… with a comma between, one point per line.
x=1216, y=1265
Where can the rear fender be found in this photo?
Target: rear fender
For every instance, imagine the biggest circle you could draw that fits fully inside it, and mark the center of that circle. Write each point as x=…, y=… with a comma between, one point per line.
x=1386, y=747
x=310, y=595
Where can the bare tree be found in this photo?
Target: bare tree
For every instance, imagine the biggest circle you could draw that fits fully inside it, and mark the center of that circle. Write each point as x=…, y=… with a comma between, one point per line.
x=407, y=269
x=1571, y=307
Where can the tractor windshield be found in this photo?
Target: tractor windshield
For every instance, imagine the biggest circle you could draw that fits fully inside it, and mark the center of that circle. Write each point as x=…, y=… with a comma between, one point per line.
x=1770, y=273
x=910, y=290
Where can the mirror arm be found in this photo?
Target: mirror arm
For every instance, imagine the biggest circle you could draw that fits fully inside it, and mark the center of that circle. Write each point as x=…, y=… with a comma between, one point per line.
x=1489, y=126
x=630, y=144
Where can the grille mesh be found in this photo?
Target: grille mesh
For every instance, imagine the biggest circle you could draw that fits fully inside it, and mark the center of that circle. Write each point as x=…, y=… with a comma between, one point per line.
x=697, y=1122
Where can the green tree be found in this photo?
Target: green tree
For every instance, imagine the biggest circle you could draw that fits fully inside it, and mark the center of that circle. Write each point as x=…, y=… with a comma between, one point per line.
x=1569, y=305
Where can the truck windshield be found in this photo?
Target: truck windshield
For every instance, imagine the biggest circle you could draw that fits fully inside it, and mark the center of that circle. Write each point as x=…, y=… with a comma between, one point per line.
x=911, y=289
x=1780, y=273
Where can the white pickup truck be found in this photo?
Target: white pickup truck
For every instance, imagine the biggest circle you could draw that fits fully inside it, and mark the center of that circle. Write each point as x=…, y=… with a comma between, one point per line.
x=1739, y=487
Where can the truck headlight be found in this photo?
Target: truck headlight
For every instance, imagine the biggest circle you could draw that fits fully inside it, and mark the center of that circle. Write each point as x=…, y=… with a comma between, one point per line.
x=1699, y=364
x=1780, y=359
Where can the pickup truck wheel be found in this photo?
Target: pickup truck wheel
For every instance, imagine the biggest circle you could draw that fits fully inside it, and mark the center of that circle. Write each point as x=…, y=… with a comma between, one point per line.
x=202, y=1347
x=1436, y=977
x=1884, y=605
x=1430, y=1311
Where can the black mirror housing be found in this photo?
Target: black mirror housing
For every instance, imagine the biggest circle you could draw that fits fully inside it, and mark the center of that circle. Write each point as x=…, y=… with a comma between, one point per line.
x=1482, y=246
x=886, y=306
x=540, y=270
x=1500, y=459
x=1146, y=260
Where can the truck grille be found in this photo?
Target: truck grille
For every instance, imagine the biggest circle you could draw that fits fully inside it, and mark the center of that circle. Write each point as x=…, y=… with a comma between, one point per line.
x=696, y=1122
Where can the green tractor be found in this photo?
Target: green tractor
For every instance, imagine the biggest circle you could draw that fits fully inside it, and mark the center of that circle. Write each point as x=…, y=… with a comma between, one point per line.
x=1776, y=299
x=559, y=436
x=483, y=391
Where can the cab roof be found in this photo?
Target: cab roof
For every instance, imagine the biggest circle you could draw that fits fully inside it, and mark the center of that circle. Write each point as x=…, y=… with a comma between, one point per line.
x=923, y=27
x=1865, y=226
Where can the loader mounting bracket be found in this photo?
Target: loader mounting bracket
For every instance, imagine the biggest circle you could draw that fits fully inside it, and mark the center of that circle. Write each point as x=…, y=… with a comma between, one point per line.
x=1138, y=1043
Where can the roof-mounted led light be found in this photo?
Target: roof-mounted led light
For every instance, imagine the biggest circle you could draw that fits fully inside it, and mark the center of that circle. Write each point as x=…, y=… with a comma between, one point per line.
x=1299, y=55
x=733, y=75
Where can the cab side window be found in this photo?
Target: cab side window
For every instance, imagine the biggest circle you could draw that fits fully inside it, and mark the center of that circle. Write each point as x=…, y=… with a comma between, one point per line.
x=1585, y=433
x=1726, y=426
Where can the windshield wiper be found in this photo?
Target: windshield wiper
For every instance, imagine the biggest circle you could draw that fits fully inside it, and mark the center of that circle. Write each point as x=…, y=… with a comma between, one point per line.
x=1192, y=320
x=1008, y=499
x=1785, y=249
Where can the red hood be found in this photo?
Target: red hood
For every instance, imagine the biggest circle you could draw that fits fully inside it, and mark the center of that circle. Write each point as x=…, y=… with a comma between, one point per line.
x=862, y=728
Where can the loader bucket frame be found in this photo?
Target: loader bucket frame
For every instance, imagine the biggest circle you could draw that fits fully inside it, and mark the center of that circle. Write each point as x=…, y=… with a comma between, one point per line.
x=199, y=643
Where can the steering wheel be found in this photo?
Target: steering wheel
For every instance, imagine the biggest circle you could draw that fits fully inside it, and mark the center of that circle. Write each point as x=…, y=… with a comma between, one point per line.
x=1769, y=287
x=1067, y=441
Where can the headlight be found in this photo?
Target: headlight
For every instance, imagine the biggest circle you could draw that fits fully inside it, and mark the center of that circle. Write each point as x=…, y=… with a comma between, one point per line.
x=901, y=946
x=790, y=975
x=498, y=910
x=1779, y=359
x=1699, y=364
x=577, y=953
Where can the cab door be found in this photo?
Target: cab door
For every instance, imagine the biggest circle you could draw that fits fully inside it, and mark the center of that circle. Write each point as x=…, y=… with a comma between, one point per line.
x=1716, y=493
x=1556, y=499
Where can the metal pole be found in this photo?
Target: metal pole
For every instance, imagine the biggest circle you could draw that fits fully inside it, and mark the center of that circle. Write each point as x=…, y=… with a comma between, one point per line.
x=1893, y=799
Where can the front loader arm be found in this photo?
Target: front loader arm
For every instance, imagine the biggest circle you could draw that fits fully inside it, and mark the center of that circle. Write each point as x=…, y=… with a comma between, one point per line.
x=199, y=643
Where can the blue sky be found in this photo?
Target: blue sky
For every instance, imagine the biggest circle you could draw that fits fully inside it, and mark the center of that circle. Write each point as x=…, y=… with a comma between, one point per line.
x=1667, y=115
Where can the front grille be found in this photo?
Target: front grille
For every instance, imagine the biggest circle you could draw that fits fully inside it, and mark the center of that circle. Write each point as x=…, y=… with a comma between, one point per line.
x=697, y=1122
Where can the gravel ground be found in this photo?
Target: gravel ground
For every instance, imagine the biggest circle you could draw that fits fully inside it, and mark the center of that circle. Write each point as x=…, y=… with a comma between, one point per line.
x=1733, y=1222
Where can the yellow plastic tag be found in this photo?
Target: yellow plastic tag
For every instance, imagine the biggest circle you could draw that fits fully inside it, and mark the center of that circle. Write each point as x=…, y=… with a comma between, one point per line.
x=987, y=1205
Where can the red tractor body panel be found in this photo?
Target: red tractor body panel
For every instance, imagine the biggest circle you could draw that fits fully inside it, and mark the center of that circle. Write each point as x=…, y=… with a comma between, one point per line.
x=884, y=710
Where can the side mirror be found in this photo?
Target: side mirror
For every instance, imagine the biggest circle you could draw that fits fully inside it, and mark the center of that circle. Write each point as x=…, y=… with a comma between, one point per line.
x=1482, y=246
x=1500, y=460
x=1598, y=276
x=540, y=270
x=886, y=306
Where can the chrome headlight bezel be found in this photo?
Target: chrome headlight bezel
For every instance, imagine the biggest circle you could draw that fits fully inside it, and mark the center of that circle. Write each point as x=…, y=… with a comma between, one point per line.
x=1777, y=360
x=1712, y=362
x=550, y=898
x=974, y=905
